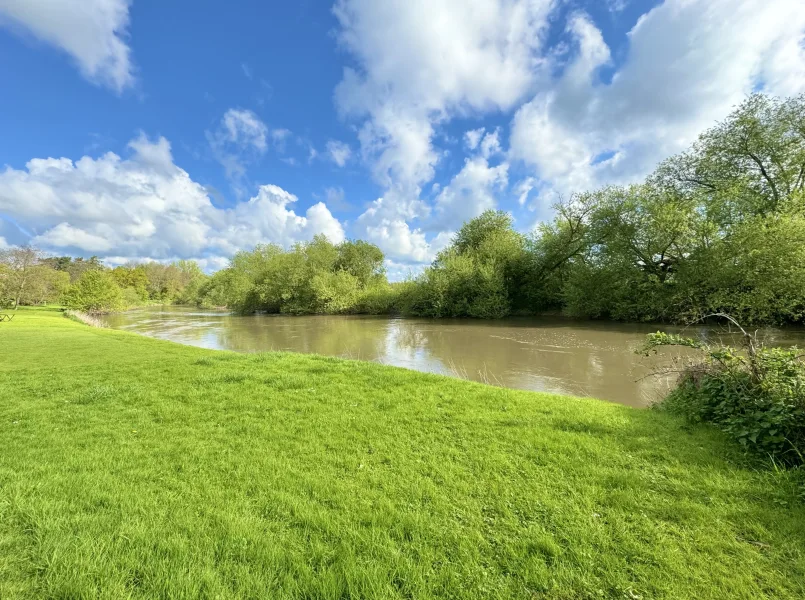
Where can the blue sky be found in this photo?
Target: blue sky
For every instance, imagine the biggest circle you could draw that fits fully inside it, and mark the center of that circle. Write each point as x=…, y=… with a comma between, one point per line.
x=135, y=130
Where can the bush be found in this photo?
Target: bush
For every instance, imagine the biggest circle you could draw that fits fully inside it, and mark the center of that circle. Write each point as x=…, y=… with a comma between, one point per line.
x=756, y=395
x=95, y=292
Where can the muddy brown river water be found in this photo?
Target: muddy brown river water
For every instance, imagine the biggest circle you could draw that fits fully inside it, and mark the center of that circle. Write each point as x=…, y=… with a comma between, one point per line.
x=543, y=354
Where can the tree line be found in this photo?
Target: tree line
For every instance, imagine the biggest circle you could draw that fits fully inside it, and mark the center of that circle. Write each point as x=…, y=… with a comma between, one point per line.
x=28, y=276
x=719, y=228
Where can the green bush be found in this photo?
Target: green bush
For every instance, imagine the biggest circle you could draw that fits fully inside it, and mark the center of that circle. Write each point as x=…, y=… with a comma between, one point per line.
x=477, y=276
x=756, y=395
x=131, y=298
x=95, y=292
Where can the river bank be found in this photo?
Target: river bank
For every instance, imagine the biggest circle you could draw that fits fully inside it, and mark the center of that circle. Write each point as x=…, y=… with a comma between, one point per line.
x=134, y=467
x=546, y=354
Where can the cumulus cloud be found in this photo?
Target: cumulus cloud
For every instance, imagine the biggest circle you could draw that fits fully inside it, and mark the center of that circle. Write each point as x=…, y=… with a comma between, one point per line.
x=338, y=152
x=92, y=32
x=398, y=239
x=3, y=243
x=146, y=206
x=418, y=66
x=475, y=188
x=689, y=63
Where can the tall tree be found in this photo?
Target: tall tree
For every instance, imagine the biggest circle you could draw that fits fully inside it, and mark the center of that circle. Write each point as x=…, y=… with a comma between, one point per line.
x=21, y=263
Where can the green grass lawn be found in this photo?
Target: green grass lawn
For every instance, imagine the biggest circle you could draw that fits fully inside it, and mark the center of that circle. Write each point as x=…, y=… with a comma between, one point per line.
x=135, y=468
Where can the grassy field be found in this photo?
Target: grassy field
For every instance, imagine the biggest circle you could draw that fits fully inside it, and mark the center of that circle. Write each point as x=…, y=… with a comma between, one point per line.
x=135, y=468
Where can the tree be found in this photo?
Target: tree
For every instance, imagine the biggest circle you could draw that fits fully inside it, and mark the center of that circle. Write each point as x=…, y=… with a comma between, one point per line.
x=191, y=278
x=749, y=164
x=718, y=228
x=132, y=277
x=96, y=291
x=45, y=285
x=6, y=298
x=75, y=267
x=20, y=264
x=479, y=275
x=362, y=260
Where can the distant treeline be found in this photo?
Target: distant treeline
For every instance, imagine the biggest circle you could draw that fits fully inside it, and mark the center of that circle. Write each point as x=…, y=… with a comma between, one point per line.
x=719, y=228
x=29, y=277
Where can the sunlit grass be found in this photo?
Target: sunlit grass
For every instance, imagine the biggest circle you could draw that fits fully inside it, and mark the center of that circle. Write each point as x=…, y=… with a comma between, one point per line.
x=135, y=468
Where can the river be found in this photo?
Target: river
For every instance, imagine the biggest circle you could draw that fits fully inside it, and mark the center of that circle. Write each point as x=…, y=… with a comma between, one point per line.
x=542, y=354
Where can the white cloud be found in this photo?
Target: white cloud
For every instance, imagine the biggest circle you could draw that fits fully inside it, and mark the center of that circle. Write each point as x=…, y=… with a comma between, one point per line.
x=397, y=271
x=418, y=66
x=244, y=128
x=473, y=137
x=146, y=206
x=240, y=137
x=93, y=32
x=280, y=137
x=689, y=63
x=267, y=217
x=65, y=235
x=3, y=243
x=472, y=191
x=523, y=189
x=398, y=240
x=339, y=152
x=209, y=264
x=487, y=143
x=490, y=145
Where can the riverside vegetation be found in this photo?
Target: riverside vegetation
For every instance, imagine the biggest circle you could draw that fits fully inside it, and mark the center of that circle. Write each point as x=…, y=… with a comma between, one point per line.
x=717, y=229
x=137, y=468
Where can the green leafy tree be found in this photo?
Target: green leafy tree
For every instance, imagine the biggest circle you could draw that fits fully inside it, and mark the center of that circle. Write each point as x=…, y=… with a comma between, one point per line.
x=134, y=278
x=45, y=285
x=749, y=164
x=362, y=260
x=21, y=266
x=96, y=291
x=717, y=228
x=481, y=274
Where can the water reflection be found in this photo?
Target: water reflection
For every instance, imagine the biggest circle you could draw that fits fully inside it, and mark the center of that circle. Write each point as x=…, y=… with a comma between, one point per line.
x=555, y=355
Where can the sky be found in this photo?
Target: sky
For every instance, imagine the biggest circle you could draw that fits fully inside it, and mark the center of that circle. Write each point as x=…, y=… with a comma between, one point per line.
x=134, y=129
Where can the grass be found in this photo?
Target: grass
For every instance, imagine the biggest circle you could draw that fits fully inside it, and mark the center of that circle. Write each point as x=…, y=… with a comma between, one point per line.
x=136, y=468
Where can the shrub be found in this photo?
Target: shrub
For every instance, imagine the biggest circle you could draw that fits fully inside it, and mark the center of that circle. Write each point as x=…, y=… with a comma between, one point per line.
x=754, y=394
x=95, y=292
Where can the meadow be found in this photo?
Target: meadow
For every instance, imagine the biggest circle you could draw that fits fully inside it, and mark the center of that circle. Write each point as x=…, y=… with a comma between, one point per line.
x=137, y=468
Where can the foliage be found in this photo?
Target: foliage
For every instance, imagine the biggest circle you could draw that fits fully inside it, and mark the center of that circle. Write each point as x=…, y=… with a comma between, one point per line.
x=479, y=275
x=26, y=278
x=6, y=297
x=142, y=469
x=755, y=394
x=719, y=228
x=73, y=266
x=95, y=292
x=135, y=279
x=313, y=277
